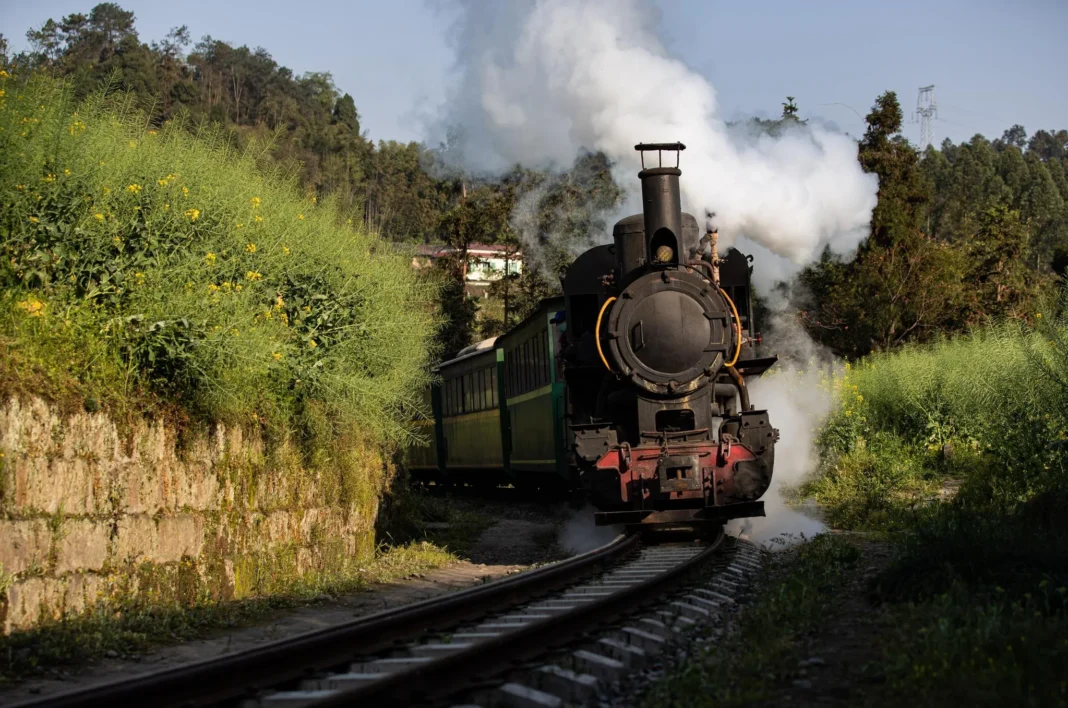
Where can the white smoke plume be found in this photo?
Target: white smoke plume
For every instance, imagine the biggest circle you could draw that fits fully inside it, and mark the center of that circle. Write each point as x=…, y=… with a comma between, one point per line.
x=579, y=533
x=540, y=80
x=797, y=401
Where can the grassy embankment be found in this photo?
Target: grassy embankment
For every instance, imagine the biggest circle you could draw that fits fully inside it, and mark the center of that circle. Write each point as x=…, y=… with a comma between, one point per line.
x=976, y=594
x=154, y=270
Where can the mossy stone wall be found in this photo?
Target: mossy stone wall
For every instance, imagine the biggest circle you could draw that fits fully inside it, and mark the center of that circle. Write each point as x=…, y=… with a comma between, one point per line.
x=91, y=513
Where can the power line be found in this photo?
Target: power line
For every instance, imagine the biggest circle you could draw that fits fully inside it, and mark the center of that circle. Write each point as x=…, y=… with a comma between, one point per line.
x=926, y=112
x=839, y=103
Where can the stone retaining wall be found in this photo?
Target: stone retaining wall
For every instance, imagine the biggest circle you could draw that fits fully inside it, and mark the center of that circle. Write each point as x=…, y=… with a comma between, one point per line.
x=90, y=515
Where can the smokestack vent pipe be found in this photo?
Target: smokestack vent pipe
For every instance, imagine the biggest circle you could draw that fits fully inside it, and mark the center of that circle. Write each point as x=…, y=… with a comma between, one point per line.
x=661, y=205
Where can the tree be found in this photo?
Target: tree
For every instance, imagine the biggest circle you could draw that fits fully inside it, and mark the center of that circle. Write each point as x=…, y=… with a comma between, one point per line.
x=458, y=312
x=1001, y=283
x=1049, y=145
x=111, y=24
x=46, y=42
x=902, y=285
x=1015, y=136
x=173, y=46
x=789, y=109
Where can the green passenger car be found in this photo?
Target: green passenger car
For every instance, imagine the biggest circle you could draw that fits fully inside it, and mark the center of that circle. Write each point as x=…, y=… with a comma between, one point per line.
x=499, y=411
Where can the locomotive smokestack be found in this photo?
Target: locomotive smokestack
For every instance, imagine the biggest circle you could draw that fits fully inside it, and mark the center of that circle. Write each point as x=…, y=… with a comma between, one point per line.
x=661, y=204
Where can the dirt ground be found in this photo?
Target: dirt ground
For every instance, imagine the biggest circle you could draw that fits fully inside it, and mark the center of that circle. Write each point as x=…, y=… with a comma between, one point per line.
x=525, y=534
x=834, y=664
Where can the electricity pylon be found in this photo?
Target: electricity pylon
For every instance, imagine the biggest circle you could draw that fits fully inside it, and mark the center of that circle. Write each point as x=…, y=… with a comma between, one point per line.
x=926, y=112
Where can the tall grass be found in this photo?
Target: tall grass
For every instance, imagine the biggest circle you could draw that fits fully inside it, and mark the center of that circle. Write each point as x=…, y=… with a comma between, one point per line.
x=160, y=265
x=990, y=409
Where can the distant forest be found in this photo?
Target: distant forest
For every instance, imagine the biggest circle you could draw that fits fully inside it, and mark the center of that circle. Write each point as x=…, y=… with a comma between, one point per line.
x=962, y=235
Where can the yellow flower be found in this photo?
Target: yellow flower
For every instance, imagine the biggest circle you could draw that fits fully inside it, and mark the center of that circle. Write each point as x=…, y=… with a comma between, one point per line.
x=151, y=132
x=50, y=178
x=253, y=275
x=193, y=214
x=250, y=248
x=1038, y=315
x=107, y=190
x=279, y=303
x=860, y=399
x=277, y=356
x=240, y=225
x=237, y=288
x=166, y=207
x=98, y=217
x=133, y=143
x=255, y=201
x=133, y=188
x=285, y=250
x=66, y=172
x=33, y=219
x=312, y=344
x=210, y=259
x=300, y=217
x=140, y=277
x=32, y=306
x=161, y=182
x=20, y=187
x=285, y=319
x=3, y=74
x=849, y=413
x=213, y=288
x=257, y=218
x=185, y=191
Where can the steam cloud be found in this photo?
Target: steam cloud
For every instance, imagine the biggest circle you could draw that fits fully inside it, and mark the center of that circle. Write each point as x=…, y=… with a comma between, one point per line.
x=541, y=80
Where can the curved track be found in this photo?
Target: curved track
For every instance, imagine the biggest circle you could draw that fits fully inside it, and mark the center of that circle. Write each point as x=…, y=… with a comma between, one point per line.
x=446, y=647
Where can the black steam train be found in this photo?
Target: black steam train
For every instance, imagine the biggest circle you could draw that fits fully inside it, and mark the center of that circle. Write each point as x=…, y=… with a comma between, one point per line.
x=630, y=387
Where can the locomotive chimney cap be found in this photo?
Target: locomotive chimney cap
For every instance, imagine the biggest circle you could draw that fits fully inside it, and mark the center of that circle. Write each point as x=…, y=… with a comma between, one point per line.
x=660, y=148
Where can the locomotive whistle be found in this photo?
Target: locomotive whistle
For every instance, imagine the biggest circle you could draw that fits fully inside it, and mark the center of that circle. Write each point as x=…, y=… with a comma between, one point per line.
x=713, y=238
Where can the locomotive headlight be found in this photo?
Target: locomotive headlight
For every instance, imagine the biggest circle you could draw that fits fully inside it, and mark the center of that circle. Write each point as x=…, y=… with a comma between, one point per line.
x=664, y=254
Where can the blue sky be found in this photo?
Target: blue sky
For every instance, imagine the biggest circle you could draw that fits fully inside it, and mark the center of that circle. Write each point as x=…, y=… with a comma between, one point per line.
x=993, y=62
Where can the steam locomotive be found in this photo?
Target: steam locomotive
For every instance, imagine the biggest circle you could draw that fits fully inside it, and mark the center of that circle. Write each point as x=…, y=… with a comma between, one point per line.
x=630, y=387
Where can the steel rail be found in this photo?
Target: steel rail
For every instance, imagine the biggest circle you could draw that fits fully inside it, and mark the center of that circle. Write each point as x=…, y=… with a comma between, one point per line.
x=445, y=677
x=243, y=674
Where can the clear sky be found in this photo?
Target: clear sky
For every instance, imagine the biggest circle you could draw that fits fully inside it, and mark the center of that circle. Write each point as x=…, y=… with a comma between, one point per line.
x=993, y=62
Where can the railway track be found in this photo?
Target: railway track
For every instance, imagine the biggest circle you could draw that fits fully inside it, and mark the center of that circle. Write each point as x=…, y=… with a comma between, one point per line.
x=538, y=638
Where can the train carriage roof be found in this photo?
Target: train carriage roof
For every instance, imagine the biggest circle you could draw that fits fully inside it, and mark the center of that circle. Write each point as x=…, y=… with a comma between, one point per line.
x=472, y=357
x=551, y=304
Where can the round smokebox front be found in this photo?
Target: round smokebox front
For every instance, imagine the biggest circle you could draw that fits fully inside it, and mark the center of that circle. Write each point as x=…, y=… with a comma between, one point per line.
x=669, y=329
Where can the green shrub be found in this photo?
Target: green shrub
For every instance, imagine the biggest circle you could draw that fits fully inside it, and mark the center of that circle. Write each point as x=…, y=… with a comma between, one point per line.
x=158, y=265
